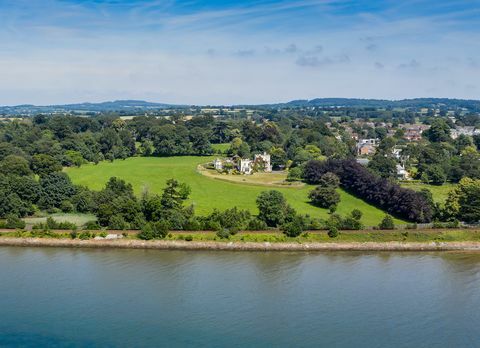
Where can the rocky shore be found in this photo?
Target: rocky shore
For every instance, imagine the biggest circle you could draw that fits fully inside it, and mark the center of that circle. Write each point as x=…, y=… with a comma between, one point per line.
x=240, y=246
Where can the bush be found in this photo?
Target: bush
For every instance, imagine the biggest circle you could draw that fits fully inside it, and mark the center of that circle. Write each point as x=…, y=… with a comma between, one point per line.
x=52, y=224
x=329, y=180
x=117, y=222
x=349, y=223
x=189, y=238
x=73, y=234
x=85, y=235
x=356, y=214
x=293, y=228
x=256, y=225
x=66, y=206
x=223, y=233
x=387, y=223
x=332, y=231
x=154, y=230
x=146, y=233
x=13, y=221
x=295, y=174
x=160, y=229
x=92, y=225
x=324, y=197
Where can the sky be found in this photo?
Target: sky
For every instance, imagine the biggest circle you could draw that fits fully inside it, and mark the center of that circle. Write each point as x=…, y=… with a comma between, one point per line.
x=237, y=52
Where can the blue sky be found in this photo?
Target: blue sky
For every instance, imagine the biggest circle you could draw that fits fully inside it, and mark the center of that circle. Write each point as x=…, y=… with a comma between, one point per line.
x=228, y=52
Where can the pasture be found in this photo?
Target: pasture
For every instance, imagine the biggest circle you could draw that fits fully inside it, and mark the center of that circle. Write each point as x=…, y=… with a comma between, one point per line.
x=439, y=193
x=151, y=173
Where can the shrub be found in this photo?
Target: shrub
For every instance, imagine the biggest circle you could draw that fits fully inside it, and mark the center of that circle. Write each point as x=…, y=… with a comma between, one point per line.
x=146, y=233
x=332, y=231
x=387, y=223
x=73, y=234
x=329, y=180
x=293, y=228
x=295, y=174
x=92, y=225
x=66, y=206
x=349, y=223
x=256, y=225
x=223, y=233
x=13, y=221
x=160, y=229
x=189, y=238
x=324, y=197
x=52, y=224
x=154, y=230
x=85, y=235
x=117, y=222
x=356, y=214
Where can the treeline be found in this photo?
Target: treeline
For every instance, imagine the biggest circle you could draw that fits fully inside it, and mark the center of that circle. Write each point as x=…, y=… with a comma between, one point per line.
x=359, y=181
x=48, y=143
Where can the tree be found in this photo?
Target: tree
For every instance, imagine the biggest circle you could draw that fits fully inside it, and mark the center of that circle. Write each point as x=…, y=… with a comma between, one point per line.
x=174, y=194
x=313, y=171
x=273, y=208
x=387, y=223
x=43, y=164
x=55, y=188
x=356, y=214
x=329, y=180
x=384, y=166
x=439, y=131
x=295, y=174
x=15, y=165
x=75, y=158
x=293, y=228
x=463, y=201
x=278, y=157
x=324, y=197
x=200, y=141
x=154, y=230
x=434, y=175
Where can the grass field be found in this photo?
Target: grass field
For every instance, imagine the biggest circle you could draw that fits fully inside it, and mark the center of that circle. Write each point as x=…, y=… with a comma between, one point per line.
x=221, y=147
x=207, y=193
x=77, y=219
x=439, y=193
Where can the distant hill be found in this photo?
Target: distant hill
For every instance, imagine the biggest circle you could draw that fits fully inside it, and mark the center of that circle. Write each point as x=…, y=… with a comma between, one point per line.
x=126, y=106
x=473, y=105
x=117, y=105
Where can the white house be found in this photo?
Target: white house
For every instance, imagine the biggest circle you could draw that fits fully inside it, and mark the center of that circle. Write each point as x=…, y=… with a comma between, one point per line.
x=218, y=164
x=246, y=166
x=402, y=173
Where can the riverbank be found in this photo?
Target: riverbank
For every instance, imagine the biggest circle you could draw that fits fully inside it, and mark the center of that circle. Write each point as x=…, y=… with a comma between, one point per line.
x=241, y=246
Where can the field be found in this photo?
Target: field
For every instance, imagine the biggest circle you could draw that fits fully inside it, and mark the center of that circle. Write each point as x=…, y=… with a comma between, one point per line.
x=439, y=193
x=221, y=147
x=151, y=173
x=77, y=219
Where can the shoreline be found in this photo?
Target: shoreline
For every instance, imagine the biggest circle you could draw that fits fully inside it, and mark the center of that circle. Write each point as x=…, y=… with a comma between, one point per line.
x=240, y=246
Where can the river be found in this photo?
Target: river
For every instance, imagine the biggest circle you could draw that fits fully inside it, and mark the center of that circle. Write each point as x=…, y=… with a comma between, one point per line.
x=151, y=298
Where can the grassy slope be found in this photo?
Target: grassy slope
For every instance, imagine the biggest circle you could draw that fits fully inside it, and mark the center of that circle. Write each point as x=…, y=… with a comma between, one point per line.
x=439, y=193
x=207, y=193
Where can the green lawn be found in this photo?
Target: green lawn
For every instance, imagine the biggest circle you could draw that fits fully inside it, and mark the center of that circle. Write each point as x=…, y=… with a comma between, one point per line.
x=221, y=147
x=439, y=193
x=207, y=193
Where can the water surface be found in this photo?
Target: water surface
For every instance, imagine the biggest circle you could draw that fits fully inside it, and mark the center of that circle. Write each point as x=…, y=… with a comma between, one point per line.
x=74, y=297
